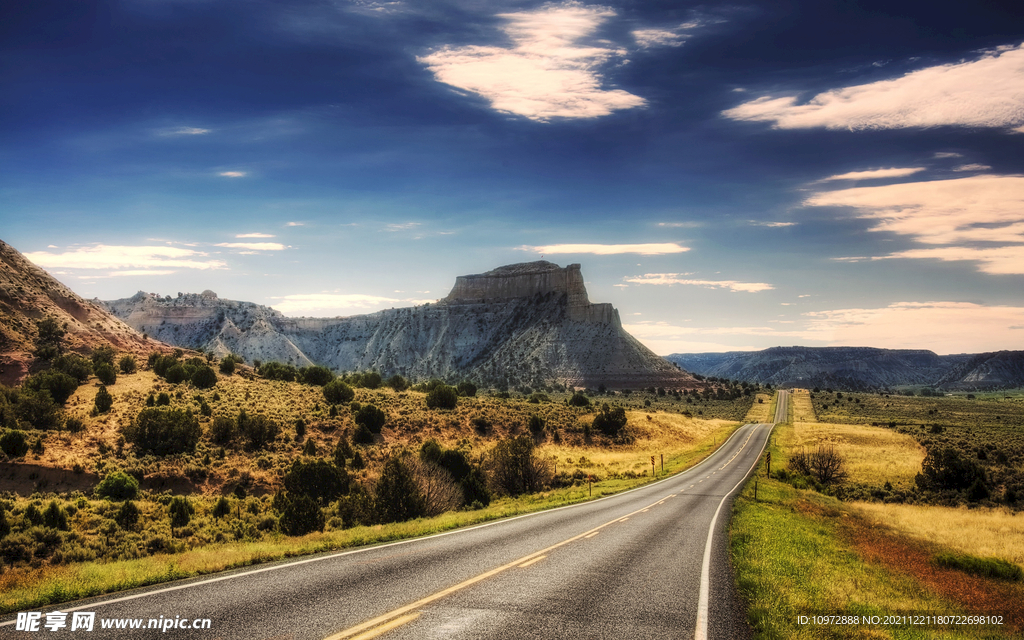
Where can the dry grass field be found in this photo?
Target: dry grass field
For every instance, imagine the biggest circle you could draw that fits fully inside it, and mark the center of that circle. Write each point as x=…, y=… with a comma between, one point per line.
x=981, y=532
x=760, y=411
x=873, y=455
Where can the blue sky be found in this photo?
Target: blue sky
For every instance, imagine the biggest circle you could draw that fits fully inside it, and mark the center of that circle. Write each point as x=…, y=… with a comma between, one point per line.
x=730, y=176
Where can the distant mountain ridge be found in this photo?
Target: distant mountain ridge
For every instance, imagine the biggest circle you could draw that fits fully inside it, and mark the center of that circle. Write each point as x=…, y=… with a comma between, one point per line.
x=860, y=368
x=529, y=323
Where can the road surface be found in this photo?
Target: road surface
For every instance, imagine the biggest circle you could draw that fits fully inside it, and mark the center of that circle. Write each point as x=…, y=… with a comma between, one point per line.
x=640, y=564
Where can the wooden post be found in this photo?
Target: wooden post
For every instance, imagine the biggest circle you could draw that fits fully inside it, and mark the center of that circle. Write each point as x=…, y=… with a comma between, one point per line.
x=590, y=481
x=652, y=467
x=663, y=463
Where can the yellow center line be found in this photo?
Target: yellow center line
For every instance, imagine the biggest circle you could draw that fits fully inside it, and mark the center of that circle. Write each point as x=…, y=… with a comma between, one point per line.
x=529, y=562
x=592, y=534
x=644, y=510
x=402, y=611
x=397, y=622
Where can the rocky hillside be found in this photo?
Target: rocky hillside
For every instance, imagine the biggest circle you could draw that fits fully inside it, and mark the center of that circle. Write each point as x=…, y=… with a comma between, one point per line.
x=860, y=368
x=29, y=294
x=529, y=323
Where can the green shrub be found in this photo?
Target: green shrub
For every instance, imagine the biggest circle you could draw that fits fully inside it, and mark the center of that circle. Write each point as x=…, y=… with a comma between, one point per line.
x=74, y=365
x=127, y=364
x=278, y=371
x=398, y=497
x=536, y=424
x=987, y=567
x=316, y=375
x=55, y=517
x=128, y=515
x=222, y=430
x=117, y=486
x=316, y=479
x=176, y=374
x=227, y=365
x=514, y=467
x=180, y=510
x=466, y=389
x=370, y=417
x=610, y=421
x=163, y=399
x=103, y=400
x=301, y=516
x=60, y=385
x=442, y=397
x=580, y=400
x=222, y=508
x=103, y=355
x=258, y=431
x=14, y=444
x=106, y=374
x=337, y=392
x=362, y=435
x=163, y=431
x=204, y=377
x=398, y=383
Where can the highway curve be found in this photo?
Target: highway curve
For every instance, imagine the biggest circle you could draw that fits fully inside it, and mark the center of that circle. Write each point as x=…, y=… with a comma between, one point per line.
x=635, y=565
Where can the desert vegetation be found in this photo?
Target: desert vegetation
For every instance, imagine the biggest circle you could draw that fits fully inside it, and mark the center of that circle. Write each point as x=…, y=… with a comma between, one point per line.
x=173, y=456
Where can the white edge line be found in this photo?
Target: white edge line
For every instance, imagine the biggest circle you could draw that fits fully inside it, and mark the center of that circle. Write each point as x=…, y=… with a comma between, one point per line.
x=331, y=556
x=701, y=632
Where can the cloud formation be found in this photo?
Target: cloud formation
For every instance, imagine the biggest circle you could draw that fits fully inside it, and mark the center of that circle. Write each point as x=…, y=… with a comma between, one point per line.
x=943, y=326
x=185, y=131
x=986, y=92
x=649, y=249
x=120, y=257
x=333, y=304
x=549, y=71
x=253, y=246
x=677, y=278
x=232, y=174
x=254, y=235
x=962, y=211
x=893, y=172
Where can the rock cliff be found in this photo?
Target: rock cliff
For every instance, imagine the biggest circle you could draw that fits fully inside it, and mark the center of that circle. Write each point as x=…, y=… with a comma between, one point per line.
x=529, y=323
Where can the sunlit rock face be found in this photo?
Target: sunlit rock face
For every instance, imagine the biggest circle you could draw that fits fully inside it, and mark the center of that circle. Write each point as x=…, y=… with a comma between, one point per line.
x=521, y=324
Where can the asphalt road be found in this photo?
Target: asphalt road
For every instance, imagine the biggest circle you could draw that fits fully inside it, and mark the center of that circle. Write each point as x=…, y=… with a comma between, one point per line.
x=635, y=565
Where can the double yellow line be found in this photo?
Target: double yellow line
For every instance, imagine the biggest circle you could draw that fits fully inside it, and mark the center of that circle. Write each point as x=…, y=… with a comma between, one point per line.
x=402, y=615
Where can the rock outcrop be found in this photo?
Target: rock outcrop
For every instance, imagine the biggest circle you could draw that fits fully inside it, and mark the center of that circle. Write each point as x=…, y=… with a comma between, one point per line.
x=29, y=294
x=529, y=323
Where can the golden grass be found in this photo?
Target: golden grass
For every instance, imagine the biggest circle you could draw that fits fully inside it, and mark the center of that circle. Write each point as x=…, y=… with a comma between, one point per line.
x=979, y=532
x=656, y=434
x=800, y=405
x=873, y=455
x=760, y=413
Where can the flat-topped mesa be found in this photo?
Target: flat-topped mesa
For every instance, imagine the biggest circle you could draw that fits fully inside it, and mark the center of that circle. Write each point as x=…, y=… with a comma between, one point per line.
x=525, y=280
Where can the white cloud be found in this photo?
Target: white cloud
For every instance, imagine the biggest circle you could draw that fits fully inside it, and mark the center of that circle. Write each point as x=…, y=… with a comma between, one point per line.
x=185, y=131
x=333, y=304
x=649, y=249
x=253, y=246
x=978, y=208
x=121, y=257
x=254, y=235
x=947, y=154
x=233, y=174
x=691, y=224
x=674, y=278
x=973, y=167
x=875, y=173
x=986, y=92
x=402, y=226
x=944, y=327
x=295, y=224
x=548, y=71
x=995, y=260
x=771, y=225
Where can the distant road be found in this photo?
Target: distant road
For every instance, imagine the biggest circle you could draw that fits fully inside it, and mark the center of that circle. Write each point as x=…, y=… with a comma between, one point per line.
x=635, y=565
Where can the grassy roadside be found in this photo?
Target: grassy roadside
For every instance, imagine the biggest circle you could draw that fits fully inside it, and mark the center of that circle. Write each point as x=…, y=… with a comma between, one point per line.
x=24, y=588
x=798, y=552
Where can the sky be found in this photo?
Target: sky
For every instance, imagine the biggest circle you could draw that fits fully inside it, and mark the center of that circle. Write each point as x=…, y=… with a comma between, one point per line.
x=731, y=176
